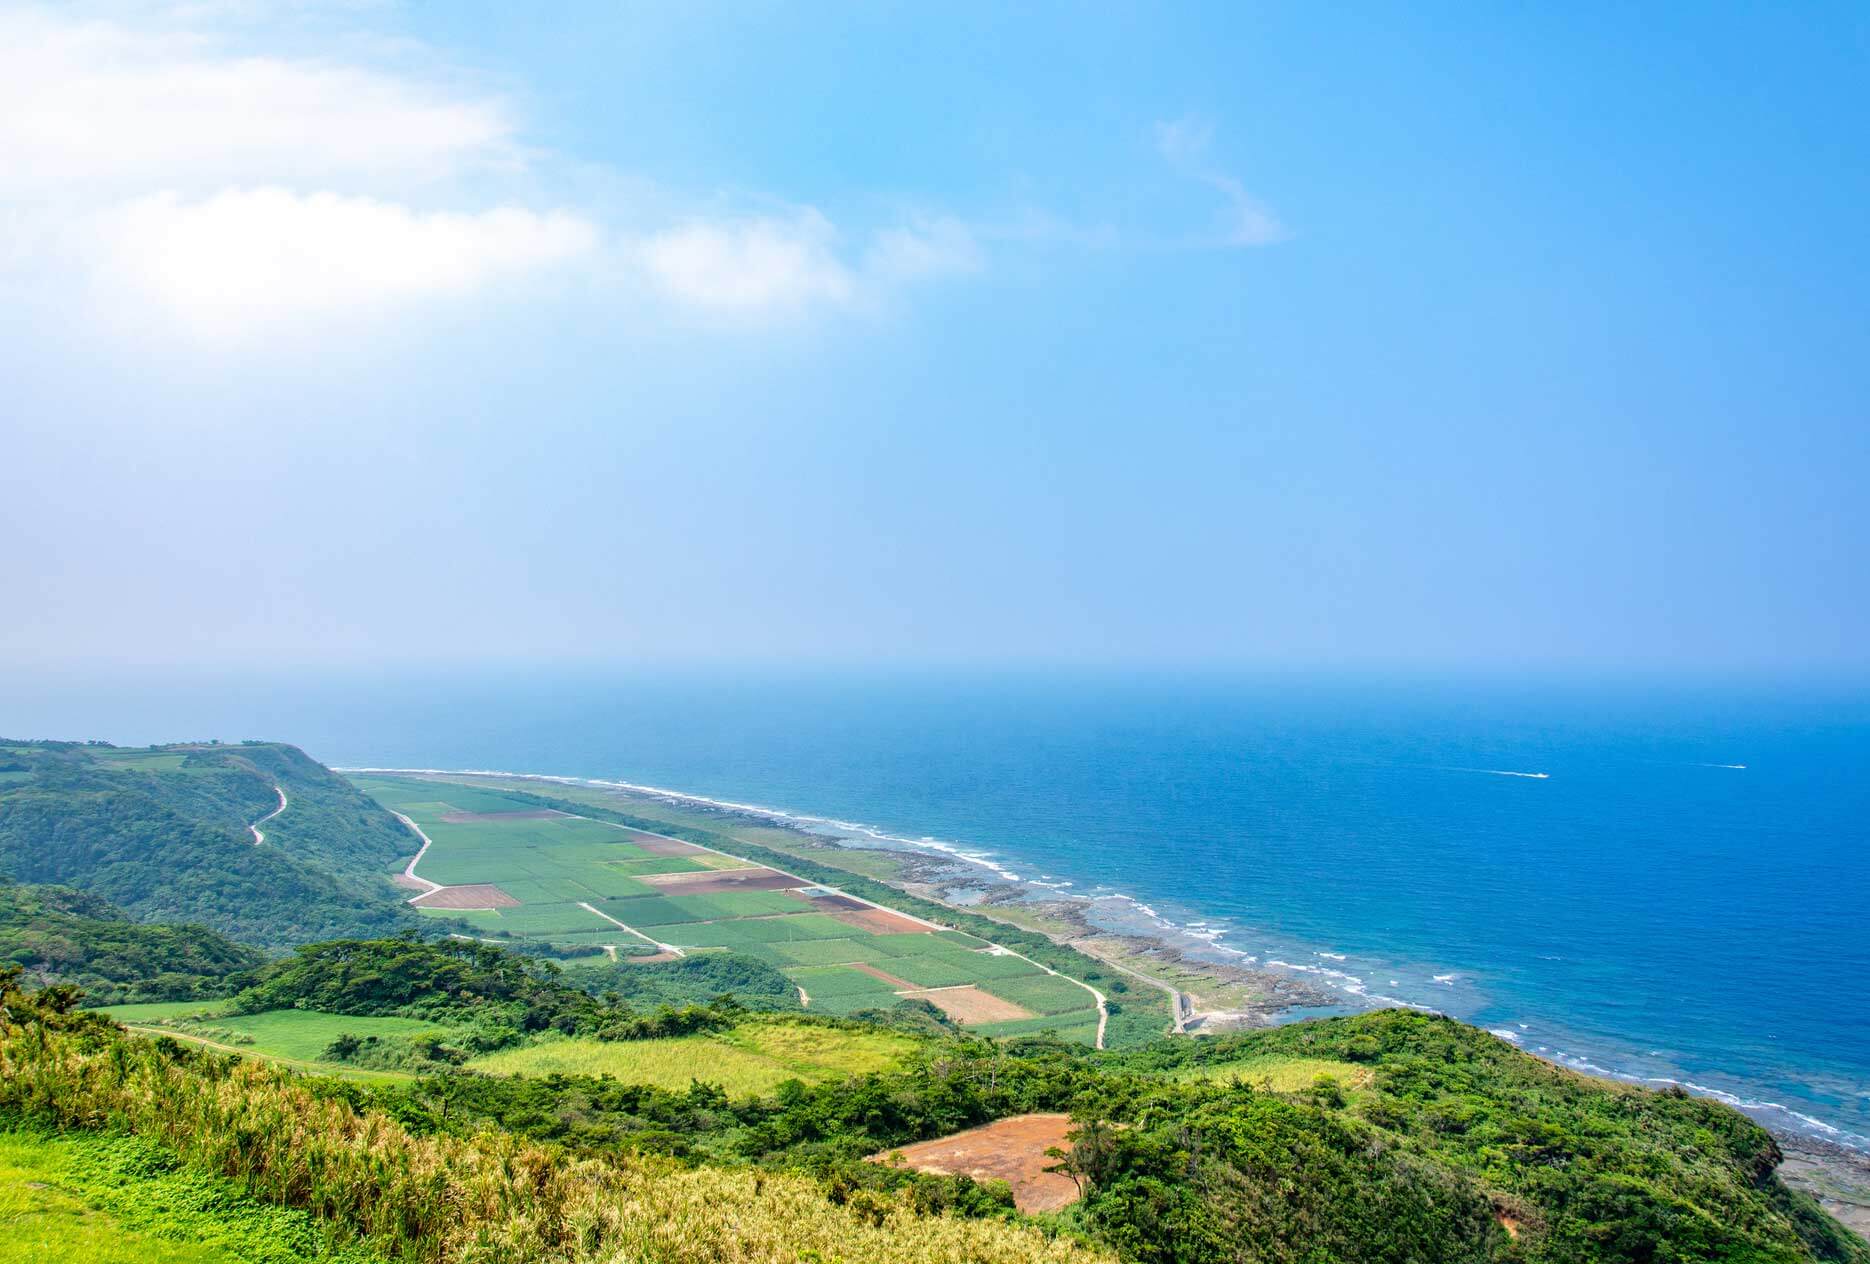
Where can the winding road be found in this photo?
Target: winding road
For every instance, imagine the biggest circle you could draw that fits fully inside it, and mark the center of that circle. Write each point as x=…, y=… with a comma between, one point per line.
x=259, y=835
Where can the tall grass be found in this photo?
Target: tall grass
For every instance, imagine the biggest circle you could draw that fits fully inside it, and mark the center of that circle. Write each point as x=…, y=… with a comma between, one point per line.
x=489, y=1199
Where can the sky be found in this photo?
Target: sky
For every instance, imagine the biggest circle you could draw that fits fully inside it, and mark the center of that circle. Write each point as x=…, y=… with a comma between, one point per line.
x=1428, y=337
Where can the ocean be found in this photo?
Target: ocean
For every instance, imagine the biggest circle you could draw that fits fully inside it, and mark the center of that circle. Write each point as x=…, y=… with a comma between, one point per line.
x=1661, y=881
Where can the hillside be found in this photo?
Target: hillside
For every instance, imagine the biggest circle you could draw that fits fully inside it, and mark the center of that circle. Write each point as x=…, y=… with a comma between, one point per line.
x=1385, y=1137
x=168, y=835
x=59, y=935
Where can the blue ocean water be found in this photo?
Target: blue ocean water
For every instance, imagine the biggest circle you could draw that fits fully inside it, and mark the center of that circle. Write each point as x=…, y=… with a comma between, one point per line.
x=1680, y=895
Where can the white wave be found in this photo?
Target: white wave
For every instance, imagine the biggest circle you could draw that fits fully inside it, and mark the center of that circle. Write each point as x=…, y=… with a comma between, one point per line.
x=1505, y=1033
x=1446, y=980
x=1333, y=956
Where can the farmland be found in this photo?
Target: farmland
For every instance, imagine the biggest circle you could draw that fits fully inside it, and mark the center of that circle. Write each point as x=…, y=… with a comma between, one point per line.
x=513, y=870
x=752, y=1058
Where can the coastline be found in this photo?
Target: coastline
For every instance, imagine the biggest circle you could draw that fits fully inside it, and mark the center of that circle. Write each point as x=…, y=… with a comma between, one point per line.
x=1203, y=990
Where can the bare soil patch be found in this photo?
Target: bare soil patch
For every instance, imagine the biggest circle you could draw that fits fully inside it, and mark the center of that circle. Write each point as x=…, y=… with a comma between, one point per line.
x=477, y=896
x=970, y=1005
x=835, y=903
x=875, y=973
x=468, y=818
x=879, y=921
x=406, y=882
x=1011, y=1150
x=716, y=881
x=662, y=846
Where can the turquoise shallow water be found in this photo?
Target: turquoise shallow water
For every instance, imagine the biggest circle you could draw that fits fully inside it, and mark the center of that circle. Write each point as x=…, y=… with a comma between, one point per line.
x=1646, y=907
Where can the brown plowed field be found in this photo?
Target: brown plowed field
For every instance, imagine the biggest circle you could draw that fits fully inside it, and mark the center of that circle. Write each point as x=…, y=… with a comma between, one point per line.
x=716, y=881
x=479, y=896
x=835, y=903
x=1011, y=1150
x=879, y=921
x=971, y=1005
x=875, y=973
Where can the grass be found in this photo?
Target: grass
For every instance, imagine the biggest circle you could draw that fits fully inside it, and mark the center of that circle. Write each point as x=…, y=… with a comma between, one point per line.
x=752, y=1058
x=1278, y=1075
x=490, y=1197
x=292, y=1037
x=102, y=1199
x=302, y=1035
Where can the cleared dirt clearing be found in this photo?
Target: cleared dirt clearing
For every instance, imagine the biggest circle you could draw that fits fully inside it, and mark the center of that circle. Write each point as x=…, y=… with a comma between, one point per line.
x=476, y=896
x=717, y=882
x=879, y=921
x=875, y=973
x=1011, y=1150
x=965, y=1004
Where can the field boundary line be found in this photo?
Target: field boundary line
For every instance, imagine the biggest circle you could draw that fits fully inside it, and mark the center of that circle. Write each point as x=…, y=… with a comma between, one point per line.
x=591, y=908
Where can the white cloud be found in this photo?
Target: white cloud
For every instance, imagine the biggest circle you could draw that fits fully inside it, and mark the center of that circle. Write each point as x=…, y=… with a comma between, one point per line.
x=155, y=161
x=250, y=256
x=751, y=265
x=1185, y=143
x=104, y=105
x=764, y=265
x=932, y=247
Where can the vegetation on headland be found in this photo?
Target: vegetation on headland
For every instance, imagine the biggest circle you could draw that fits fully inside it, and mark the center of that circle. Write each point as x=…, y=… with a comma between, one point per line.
x=1453, y=1147
x=490, y=1197
x=480, y=1122
x=163, y=834
x=59, y=935
x=105, y=1198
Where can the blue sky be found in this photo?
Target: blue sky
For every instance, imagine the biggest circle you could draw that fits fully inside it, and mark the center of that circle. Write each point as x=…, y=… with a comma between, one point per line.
x=1423, y=337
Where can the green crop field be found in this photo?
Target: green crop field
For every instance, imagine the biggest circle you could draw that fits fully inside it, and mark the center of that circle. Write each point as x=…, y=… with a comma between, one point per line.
x=830, y=952
x=829, y=981
x=752, y=1058
x=553, y=864
x=1041, y=993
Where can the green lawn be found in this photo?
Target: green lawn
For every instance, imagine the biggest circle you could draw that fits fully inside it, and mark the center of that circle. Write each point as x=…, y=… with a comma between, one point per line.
x=302, y=1035
x=751, y=1058
x=295, y=1037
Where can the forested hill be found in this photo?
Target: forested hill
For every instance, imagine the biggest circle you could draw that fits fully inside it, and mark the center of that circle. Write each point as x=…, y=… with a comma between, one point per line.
x=59, y=935
x=164, y=833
